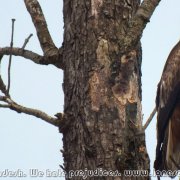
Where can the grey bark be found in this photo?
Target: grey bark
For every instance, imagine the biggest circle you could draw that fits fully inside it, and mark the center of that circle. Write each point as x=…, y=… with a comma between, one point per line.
x=102, y=87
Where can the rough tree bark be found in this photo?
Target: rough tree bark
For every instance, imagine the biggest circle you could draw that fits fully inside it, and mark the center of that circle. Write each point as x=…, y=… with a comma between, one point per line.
x=101, y=58
x=102, y=87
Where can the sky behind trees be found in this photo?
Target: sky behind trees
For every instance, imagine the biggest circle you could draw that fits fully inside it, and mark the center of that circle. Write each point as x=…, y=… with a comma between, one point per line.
x=29, y=143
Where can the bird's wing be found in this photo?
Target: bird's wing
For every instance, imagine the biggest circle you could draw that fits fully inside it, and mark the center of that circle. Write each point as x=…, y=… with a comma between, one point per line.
x=167, y=95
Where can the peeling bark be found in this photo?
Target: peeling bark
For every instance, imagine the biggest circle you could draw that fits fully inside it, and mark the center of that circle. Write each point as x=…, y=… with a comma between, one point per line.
x=102, y=86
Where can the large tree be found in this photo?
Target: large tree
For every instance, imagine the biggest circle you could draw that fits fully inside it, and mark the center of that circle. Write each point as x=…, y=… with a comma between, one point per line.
x=101, y=59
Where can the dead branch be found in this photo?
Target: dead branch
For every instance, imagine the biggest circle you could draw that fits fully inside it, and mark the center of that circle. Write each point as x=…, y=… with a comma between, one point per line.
x=10, y=57
x=149, y=119
x=147, y=8
x=142, y=131
x=40, y=24
x=51, y=52
x=3, y=87
x=52, y=55
x=34, y=112
x=4, y=106
x=138, y=23
x=26, y=41
x=36, y=58
x=9, y=103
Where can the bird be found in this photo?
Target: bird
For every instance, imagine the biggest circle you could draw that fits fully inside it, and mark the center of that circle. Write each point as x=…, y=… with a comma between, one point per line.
x=168, y=116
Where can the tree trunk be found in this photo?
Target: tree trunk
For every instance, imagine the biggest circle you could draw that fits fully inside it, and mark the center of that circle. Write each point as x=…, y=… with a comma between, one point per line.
x=102, y=86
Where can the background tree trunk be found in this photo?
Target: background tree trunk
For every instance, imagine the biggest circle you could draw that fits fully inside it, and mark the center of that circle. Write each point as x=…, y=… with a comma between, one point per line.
x=102, y=87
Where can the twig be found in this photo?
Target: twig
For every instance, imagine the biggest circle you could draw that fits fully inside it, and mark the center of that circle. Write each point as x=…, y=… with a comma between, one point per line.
x=149, y=119
x=3, y=87
x=10, y=57
x=142, y=131
x=1, y=57
x=26, y=41
x=4, y=106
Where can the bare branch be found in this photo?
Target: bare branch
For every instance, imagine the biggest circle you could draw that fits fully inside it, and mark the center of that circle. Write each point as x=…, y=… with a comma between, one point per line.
x=4, y=106
x=34, y=112
x=3, y=98
x=3, y=87
x=147, y=8
x=20, y=52
x=9, y=103
x=10, y=57
x=138, y=23
x=142, y=131
x=52, y=54
x=26, y=41
x=36, y=58
x=40, y=24
x=149, y=119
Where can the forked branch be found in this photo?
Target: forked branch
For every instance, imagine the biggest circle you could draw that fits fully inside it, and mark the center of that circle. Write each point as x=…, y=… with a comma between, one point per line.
x=26, y=41
x=9, y=103
x=52, y=55
x=40, y=24
x=138, y=23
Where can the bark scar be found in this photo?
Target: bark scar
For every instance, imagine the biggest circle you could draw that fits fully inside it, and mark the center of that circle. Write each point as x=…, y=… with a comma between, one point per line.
x=94, y=88
x=126, y=80
x=99, y=80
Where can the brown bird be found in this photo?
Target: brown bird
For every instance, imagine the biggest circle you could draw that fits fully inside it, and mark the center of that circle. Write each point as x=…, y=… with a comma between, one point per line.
x=168, y=116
